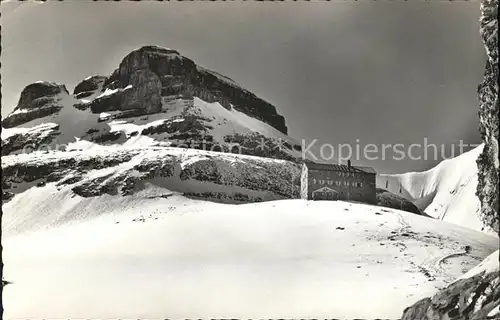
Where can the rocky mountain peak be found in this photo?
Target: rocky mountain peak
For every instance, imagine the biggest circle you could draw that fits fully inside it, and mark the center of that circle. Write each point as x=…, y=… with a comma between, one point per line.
x=153, y=72
x=151, y=59
x=37, y=100
x=163, y=97
x=38, y=90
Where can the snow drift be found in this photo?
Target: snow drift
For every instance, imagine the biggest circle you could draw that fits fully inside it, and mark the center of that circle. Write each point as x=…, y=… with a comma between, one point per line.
x=446, y=192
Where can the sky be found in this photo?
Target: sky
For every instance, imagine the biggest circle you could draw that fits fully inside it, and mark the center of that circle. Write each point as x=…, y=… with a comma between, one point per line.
x=340, y=72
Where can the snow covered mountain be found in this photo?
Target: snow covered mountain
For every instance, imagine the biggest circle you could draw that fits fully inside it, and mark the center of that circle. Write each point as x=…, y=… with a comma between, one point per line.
x=446, y=192
x=156, y=97
x=103, y=211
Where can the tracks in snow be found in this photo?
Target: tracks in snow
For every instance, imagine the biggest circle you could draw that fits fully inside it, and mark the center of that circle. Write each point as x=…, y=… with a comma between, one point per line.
x=432, y=267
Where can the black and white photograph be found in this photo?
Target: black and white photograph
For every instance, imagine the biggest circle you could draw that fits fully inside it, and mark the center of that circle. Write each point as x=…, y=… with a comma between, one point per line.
x=250, y=160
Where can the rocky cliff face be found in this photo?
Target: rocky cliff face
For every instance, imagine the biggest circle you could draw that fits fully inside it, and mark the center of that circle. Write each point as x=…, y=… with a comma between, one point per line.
x=152, y=72
x=89, y=86
x=488, y=162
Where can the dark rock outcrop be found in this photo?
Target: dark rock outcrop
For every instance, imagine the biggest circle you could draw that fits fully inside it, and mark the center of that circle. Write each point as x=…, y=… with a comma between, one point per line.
x=89, y=86
x=488, y=162
x=259, y=145
x=111, y=102
x=391, y=200
x=465, y=299
x=30, y=140
x=274, y=180
x=38, y=90
x=37, y=100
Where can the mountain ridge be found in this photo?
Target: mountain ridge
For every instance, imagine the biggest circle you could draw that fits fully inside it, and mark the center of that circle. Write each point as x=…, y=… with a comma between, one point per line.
x=166, y=97
x=445, y=192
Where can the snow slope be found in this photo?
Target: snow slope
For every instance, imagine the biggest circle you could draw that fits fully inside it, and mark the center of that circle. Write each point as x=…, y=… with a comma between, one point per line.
x=490, y=264
x=56, y=185
x=147, y=257
x=445, y=192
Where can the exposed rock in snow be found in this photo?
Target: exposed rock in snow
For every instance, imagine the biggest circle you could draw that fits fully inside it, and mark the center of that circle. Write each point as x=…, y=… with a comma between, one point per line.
x=474, y=296
x=126, y=171
x=17, y=139
x=391, y=200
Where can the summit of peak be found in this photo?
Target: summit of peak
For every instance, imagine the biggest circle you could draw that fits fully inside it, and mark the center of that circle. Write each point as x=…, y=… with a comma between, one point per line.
x=157, y=49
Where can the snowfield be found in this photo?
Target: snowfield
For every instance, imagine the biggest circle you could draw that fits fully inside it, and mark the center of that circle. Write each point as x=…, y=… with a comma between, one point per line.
x=172, y=257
